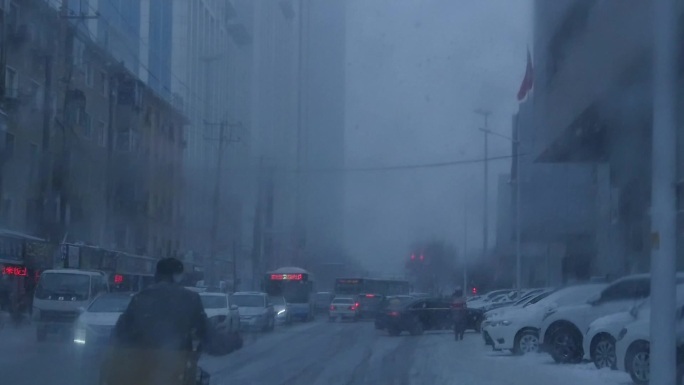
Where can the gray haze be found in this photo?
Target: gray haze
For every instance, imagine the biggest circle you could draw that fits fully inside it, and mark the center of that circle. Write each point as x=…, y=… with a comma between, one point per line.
x=416, y=70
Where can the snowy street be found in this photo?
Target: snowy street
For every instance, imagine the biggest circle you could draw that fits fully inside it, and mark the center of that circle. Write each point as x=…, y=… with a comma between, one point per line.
x=324, y=353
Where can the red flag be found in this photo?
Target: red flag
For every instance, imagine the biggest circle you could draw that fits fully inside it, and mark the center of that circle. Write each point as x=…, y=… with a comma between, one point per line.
x=528, y=80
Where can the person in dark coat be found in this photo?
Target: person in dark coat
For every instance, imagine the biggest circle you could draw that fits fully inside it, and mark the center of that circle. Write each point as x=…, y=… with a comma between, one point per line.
x=458, y=303
x=153, y=338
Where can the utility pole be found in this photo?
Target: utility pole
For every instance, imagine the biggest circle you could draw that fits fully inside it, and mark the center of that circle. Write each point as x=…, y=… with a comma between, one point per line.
x=465, y=249
x=485, y=194
x=518, y=255
x=663, y=195
x=209, y=268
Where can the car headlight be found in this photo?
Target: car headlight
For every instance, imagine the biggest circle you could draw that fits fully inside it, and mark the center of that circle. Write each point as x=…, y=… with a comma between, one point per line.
x=281, y=311
x=503, y=323
x=622, y=334
x=80, y=335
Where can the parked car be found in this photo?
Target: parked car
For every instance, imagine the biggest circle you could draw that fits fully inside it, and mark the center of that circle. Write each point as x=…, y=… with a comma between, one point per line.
x=343, y=308
x=517, y=329
x=95, y=324
x=419, y=315
x=256, y=310
x=223, y=315
x=532, y=297
x=322, y=301
x=633, y=349
x=485, y=299
x=633, y=342
x=562, y=332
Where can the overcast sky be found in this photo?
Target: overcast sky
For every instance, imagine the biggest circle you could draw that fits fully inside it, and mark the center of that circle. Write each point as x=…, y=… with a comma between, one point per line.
x=416, y=71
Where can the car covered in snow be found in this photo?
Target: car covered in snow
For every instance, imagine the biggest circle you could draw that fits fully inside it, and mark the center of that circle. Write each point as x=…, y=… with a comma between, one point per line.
x=518, y=328
x=563, y=329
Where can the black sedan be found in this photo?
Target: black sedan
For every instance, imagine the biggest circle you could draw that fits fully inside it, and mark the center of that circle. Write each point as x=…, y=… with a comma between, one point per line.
x=417, y=316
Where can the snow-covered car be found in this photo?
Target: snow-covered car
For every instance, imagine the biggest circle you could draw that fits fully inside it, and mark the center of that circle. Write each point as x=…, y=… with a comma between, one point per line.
x=95, y=324
x=632, y=341
x=562, y=331
x=223, y=315
x=532, y=297
x=632, y=349
x=282, y=310
x=256, y=310
x=517, y=329
x=485, y=299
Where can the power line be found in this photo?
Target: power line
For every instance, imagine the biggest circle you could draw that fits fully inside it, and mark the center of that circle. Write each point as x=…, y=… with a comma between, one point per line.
x=418, y=166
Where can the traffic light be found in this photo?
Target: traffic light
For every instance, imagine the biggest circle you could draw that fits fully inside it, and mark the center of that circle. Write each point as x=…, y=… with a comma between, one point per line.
x=474, y=290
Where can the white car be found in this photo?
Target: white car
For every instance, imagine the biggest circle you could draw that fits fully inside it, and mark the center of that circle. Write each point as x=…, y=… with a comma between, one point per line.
x=633, y=339
x=563, y=329
x=343, y=307
x=282, y=310
x=256, y=310
x=517, y=329
x=530, y=298
x=224, y=315
x=485, y=299
x=95, y=324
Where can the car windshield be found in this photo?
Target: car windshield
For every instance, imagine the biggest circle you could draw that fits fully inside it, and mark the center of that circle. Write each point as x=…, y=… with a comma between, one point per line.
x=110, y=304
x=214, y=301
x=282, y=153
x=63, y=284
x=342, y=301
x=247, y=300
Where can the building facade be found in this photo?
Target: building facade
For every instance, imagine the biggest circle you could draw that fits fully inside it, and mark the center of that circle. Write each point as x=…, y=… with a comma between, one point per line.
x=592, y=107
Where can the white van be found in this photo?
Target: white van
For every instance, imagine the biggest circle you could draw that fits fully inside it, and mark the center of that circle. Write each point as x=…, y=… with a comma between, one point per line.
x=60, y=297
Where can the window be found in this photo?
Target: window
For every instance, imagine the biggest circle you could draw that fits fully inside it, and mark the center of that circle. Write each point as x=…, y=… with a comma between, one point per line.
x=625, y=289
x=79, y=52
x=36, y=95
x=9, y=144
x=11, y=83
x=33, y=152
x=13, y=18
x=6, y=209
x=88, y=74
x=104, y=83
x=101, y=133
x=85, y=123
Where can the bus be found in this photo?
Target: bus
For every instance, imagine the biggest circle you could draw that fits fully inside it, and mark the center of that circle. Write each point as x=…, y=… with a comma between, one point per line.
x=296, y=285
x=370, y=292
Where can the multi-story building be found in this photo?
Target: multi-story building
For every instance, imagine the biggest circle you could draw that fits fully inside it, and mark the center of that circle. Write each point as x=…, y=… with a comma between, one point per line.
x=592, y=106
x=323, y=121
x=93, y=153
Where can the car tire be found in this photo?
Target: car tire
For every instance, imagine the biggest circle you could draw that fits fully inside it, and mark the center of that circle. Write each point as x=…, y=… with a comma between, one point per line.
x=602, y=352
x=637, y=363
x=417, y=328
x=41, y=334
x=526, y=341
x=393, y=331
x=566, y=345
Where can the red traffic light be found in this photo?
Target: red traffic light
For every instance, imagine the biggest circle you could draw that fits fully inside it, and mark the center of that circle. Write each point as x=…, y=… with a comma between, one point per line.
x=474, y=290
x=413, y=257
x=422, y=257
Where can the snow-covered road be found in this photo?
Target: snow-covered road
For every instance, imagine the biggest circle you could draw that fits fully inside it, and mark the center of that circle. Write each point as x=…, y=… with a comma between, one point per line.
x=355, y=353
x=321, y=353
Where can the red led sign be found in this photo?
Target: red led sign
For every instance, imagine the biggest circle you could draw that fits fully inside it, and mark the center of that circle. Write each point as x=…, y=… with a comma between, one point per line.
x=17, y=271
x=286, y=277
x=118, y=278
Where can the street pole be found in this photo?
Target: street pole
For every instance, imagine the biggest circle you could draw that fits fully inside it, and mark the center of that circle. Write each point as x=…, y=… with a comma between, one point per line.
x=663, y=204
x=465, y=249
x=209, y=262
x=485, y=194
x=518, y=256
